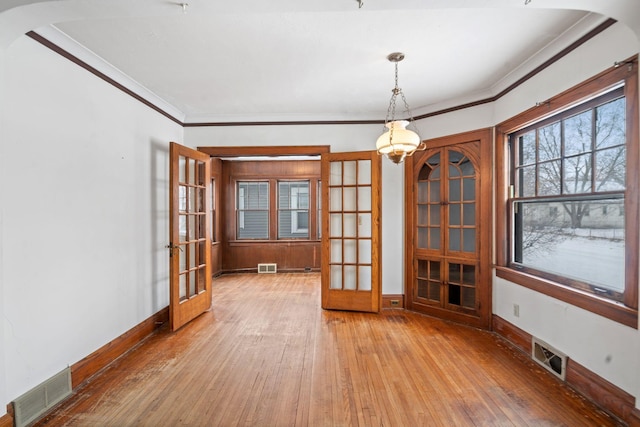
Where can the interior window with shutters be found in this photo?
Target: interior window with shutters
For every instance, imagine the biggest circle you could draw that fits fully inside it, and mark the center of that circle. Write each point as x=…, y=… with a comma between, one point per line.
x=252, y=208
x=293, y=210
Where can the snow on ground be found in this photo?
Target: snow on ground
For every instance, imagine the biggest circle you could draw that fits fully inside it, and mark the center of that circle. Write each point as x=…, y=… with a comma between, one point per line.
x=598, y=261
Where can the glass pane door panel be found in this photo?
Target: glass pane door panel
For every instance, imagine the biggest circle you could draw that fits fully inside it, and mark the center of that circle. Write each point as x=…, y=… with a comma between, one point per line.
x=335, y=229
x=469, y=189
x=182, y=169
x=182, y=227
x=350, y=173
x=192, y=284
x=182, y=198
x=469, y=275
x=469, y=216
x=350, y=225
x=335, y=199
x=434, y=291
x=193, y=199
x=364, y=278
x=191, y=165
x=423, y=214
x=423, y=235
x=434, y=238
x=422, y=288
x=336, y=277
x=350, y=251
x=182, y=262
x=350, y=278
x=434, y=215
x=336, y=251
x=468, y=299
x=434, y=191
x=191, y=256
x=454, y=239
x=469, y=239
x=201, y=280
x=349, y=201
x=183, y=285
x=364, y=251
x=335, y=177
x=364, y=199
x=191, y=232
x=454, y=214
x=364, y=172
x=423, y=192
x=454, y=190
x=364, y=225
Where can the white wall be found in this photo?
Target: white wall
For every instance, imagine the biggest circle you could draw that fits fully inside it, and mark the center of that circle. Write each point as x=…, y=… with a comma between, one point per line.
x=607, y=348
x=83, y=214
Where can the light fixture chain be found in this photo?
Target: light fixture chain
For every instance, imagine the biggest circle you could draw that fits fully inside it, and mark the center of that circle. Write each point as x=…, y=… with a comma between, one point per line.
x=409, y=140
x=407, y=110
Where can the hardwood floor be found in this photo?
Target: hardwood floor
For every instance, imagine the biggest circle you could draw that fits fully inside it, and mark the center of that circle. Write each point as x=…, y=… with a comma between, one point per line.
x=268, y=355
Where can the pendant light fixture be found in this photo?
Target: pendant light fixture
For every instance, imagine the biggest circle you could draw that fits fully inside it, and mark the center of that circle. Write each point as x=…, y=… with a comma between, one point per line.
x=398, y=142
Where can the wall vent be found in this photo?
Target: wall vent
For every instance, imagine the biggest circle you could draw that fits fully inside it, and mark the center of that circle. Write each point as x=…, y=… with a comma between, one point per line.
x=549, y=358
x=37, y=401
x=267, y=268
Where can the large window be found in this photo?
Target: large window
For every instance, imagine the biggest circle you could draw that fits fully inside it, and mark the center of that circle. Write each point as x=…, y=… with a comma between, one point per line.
x=252, y=208
x=570, y=190
x=293, y=210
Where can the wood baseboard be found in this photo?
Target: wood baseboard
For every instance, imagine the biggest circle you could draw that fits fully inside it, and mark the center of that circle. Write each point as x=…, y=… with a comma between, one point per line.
x=99, y=359
x=6, y=421
x=634, y=418
x=608, y=396
x=511, y=333
x=393, y=301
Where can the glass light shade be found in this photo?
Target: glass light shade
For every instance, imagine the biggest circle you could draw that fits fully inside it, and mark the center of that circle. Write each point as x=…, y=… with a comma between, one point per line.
x=405, y=141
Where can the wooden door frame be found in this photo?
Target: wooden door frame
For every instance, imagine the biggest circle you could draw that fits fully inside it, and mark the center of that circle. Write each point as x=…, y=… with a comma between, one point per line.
x=485, y=241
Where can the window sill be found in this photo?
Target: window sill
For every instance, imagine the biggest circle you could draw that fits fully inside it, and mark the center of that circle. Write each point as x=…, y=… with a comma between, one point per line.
x=603, y=307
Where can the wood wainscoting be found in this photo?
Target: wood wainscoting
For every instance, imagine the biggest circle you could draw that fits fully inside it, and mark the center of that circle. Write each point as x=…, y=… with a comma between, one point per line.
x=611, y=398
x=290, y=254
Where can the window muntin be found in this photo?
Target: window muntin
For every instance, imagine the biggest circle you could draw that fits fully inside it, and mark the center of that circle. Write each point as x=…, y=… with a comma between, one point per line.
x=252, y=208
x=293, y=210
x=568, y=177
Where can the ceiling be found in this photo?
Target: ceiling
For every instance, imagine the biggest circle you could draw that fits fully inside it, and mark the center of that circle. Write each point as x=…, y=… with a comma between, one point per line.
x=316, y=60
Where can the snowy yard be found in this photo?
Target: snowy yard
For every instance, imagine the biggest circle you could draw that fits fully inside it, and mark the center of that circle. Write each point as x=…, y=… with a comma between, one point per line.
x=595, y=260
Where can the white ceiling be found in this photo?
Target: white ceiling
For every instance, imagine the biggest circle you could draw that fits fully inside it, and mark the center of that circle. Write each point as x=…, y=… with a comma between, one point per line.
x=282, y=60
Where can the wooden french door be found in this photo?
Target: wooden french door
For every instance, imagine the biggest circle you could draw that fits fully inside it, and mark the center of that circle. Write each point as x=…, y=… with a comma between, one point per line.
x=351, y=250
x=448, y=216
x=190, y=245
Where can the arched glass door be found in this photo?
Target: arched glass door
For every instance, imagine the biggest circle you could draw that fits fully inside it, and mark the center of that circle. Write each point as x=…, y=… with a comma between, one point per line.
x=445, y=228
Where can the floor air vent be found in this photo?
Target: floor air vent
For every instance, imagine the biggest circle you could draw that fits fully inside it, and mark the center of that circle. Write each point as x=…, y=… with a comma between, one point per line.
x=267, y=268
x=550, y=358
x=34, y=403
